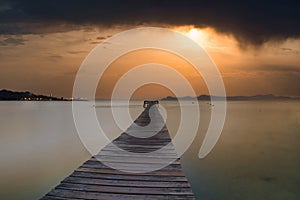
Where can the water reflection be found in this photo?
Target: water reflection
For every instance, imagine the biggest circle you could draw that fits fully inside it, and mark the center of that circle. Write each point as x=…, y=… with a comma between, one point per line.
x=257, y=156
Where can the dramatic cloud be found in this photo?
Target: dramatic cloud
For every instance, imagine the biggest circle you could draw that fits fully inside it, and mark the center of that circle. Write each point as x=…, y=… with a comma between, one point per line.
x=42, y=43
x=12, y=41
x=249, y=21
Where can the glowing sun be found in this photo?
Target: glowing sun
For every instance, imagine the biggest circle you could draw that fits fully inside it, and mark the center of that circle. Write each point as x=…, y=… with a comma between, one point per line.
x=193, y=33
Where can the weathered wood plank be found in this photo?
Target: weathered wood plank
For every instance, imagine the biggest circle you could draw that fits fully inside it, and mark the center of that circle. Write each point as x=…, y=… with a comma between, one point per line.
x=126, y=190
x=113, y=171
x=72, y=194
x=133, y=160
x=86, y=174
x=96, y=164
x=129, y=183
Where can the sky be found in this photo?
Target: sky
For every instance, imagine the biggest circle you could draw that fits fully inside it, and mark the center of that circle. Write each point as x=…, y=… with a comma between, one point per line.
x=255, y=44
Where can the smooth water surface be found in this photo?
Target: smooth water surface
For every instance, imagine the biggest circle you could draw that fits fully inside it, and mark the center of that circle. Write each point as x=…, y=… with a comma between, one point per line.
x=256, y=157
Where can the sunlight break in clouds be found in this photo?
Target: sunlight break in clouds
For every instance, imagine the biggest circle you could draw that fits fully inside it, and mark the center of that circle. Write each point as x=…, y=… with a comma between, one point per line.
x=271, y=68
x=47, y=63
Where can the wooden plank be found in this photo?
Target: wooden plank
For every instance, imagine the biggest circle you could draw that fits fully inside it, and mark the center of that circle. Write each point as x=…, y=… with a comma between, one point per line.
x=126, y=190
x=134, y=168
x=97, y=164
x=139, y=146
x=86, y=174
x=128, y=183
x=71, y=194
x=113, y=171
x=133, y=160
x=161, y=154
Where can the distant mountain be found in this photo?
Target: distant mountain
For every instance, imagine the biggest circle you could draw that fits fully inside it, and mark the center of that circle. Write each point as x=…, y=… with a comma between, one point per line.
x=232, y=98
x=260, y=97
x=7, y=95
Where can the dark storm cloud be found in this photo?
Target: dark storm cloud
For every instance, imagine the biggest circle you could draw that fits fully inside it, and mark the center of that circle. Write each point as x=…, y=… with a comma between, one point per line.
x=290, y=51
x=55, y=57
x=253, y=21
x=282, y=69
x=12, y=41
x=78, y=52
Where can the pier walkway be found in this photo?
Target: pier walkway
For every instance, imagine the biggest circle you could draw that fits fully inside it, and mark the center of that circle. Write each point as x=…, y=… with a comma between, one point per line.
x=95, y=180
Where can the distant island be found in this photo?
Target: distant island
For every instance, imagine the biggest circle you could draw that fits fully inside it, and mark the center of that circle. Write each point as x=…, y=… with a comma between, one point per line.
x=7, y=95
x=231, y=98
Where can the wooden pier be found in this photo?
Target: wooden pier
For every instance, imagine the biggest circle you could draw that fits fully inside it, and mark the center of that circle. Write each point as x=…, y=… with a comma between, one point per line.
x=95, y=180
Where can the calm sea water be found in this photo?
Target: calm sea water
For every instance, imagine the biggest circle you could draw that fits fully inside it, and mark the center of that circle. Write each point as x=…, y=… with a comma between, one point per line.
x=257, y=156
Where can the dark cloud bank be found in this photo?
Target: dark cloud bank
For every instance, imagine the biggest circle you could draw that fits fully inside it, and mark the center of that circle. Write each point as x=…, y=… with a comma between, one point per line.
x=253, y=21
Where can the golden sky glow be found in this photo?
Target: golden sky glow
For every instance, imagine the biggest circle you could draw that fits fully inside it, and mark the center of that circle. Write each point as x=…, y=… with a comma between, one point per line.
x=136, y=58
x=48, y=63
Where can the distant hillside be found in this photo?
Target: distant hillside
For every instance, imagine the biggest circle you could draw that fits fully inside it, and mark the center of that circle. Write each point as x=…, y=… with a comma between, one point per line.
x=7, y=95
x=232, y=98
